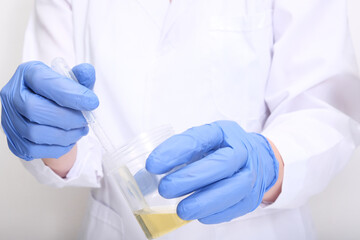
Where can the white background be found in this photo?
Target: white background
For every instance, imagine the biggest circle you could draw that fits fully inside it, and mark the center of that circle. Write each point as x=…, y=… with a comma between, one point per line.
x=29, y=210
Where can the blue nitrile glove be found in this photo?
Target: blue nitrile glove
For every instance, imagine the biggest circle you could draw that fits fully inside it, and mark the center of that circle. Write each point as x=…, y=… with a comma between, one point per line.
x=41, y=110
x=228, y=169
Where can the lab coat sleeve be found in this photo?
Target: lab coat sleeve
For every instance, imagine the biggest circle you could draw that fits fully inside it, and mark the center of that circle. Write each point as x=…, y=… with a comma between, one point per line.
x=312, y=95
x=50, y=34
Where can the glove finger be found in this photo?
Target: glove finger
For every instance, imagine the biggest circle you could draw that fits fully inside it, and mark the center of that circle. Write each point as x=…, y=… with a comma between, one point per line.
x=49, y=151
x=85, y=74
x=246, y=205
x=186, y=147
x=43, y=111
x=30, y=151
x=26, y=149
x=64, y=91
x=216, y=197
x=218, y=165
x=42, y=134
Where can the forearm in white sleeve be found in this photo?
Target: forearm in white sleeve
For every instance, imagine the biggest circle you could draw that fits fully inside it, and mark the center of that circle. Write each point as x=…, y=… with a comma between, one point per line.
x=86, y=172
x=50, y=34
x=312, y=94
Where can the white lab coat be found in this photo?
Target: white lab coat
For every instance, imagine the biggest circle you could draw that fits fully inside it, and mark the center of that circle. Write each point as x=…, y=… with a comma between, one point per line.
x=283, y=68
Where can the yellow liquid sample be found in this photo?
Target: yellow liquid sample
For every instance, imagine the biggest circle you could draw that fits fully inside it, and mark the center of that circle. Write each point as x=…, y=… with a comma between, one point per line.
x=157, y=223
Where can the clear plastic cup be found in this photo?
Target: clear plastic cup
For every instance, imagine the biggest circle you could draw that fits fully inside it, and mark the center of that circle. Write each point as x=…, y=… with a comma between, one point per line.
x=155, y=214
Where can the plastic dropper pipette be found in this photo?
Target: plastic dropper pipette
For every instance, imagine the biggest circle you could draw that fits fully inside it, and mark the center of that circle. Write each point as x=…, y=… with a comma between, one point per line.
x=59, y=65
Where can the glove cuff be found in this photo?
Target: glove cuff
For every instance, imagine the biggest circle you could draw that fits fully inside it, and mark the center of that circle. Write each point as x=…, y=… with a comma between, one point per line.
x=275, y=164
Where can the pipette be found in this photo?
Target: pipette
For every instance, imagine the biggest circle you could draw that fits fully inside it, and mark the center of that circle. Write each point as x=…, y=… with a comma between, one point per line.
x=150, y=220
x=59, y=65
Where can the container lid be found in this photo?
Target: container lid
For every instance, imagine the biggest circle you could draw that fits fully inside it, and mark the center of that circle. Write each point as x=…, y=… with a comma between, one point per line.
x=142, y=144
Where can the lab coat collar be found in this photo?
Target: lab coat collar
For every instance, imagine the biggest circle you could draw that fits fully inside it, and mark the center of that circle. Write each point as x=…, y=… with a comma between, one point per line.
x=175, y=9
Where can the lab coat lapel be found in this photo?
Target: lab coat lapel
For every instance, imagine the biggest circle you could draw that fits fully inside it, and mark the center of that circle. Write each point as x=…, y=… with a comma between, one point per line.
x=177, y=7
x=153, y=8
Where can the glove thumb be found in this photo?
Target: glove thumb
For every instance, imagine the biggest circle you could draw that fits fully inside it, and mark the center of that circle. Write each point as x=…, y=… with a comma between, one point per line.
x=85, y=74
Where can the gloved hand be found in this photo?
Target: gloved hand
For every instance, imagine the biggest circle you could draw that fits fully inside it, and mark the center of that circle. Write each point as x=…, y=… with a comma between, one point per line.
x=41, y=110
x=228, y=169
